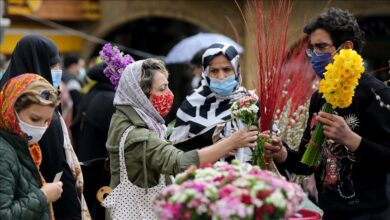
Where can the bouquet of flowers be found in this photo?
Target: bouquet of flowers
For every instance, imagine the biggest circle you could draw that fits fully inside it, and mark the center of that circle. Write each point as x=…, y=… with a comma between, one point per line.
x=116, y=62
x=229, y=191
x=246, y=110
x=338, y=89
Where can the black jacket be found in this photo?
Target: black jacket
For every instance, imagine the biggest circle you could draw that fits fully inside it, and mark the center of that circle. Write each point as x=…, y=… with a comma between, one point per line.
x=360, y=185
x=90, y=126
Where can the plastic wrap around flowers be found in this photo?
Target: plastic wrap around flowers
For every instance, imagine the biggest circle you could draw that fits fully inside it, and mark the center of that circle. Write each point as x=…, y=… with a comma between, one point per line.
x=229, y=191
x=116, y=62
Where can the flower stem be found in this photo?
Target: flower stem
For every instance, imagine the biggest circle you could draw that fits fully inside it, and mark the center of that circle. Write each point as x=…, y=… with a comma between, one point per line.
x=314, y=148
x=258, y=154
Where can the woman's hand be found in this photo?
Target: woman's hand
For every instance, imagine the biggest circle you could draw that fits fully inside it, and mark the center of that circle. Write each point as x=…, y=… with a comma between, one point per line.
x=241, y=138
x=244, y=138
x=336, y=128
x=275, y=149
x=52, y=191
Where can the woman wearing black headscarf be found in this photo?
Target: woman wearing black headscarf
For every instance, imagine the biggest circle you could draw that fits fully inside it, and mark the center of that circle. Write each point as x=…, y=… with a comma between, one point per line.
x=37, y=54
x=89, y=131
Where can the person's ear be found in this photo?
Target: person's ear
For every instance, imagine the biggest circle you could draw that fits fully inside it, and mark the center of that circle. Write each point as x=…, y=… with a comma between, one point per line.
x=348, y=44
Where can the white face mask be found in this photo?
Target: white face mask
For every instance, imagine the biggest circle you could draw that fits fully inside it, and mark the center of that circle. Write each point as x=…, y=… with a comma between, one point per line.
x=56, y=78
x=34, y=133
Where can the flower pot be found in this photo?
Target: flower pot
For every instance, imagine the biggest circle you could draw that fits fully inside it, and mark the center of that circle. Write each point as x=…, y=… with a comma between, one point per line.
x=305, y=214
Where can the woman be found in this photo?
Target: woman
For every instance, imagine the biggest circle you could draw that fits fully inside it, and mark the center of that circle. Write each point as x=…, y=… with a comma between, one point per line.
x=27, y=105
x=37, y=54
x=89, y=129
x=142, y=100
x=204, y=116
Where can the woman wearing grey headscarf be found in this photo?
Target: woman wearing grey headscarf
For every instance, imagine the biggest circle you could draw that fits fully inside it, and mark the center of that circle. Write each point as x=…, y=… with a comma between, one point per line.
x=142, y=100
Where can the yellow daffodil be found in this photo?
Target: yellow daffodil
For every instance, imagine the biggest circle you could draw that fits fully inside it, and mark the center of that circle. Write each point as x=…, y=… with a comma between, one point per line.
x=341, y=78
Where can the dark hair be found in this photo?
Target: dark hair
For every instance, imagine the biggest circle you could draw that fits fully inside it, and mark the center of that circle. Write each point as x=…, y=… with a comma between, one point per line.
x=341, y=26
x=70, y=59
x=197, y=58
x=149, y=67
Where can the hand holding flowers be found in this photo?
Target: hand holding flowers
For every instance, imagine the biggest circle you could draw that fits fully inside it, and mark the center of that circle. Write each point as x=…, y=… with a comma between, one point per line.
x=274, y=149
x=245, y=137
x=336, y=129
x=246, y=110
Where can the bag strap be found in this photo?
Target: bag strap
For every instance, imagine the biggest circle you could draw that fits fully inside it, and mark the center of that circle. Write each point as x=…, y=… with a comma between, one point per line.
x=122, y=165
x=144, y=167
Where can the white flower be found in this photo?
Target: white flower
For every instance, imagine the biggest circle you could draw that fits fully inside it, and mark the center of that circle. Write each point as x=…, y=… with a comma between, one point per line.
x=202, y=209
x=277, y=199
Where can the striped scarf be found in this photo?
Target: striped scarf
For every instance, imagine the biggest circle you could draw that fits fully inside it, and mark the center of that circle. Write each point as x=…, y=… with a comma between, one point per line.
x=204, y=109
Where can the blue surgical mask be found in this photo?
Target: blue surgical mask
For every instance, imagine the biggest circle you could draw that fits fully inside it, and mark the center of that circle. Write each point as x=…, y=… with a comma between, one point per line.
x=223, y=87
x=319, y=62
x=56, y=78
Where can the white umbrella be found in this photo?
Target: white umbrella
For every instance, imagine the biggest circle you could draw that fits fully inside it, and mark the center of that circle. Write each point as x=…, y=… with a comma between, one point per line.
x=186, y=49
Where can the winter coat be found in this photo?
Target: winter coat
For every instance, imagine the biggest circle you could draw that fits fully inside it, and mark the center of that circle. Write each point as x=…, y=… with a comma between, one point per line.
x=20, y=183
x=160, y=155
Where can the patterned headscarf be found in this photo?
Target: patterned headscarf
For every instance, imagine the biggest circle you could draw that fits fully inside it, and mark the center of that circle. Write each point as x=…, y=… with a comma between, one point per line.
x=204, y=108
x=130, y=93
x=8, y=96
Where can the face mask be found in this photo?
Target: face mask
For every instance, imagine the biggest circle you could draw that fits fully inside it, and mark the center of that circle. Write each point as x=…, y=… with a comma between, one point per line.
x=163, y=103
x=56, y=78
x=34, y=133
x=195, y=81
x=223, y=87
x=81, y=75
x=319, y=62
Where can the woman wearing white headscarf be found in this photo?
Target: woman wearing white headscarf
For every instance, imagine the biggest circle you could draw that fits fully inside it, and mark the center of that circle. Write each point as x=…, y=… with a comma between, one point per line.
x=142, y=100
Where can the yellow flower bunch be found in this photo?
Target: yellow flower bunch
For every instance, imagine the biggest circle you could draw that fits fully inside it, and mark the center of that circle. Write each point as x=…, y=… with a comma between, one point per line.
x=341, y=78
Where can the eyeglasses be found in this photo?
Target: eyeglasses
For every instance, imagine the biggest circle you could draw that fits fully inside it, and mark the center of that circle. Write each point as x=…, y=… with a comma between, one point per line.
x=317, y=49
x=320, y=48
